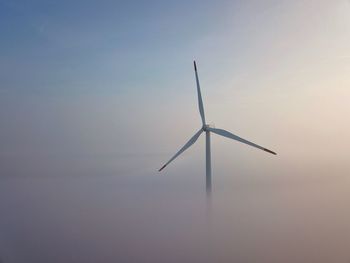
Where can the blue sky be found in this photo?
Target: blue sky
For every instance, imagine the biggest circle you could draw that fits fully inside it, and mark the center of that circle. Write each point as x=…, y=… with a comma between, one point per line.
x=80, y=47
x=68, y=47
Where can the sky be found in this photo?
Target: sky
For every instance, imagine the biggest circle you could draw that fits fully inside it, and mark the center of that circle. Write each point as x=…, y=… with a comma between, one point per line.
x=96, y=95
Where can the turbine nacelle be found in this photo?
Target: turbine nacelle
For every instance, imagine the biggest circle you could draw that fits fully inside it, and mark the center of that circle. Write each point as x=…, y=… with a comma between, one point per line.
x=207, y=126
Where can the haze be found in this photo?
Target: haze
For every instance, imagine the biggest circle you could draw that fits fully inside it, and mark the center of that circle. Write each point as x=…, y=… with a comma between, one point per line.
x=96, y=95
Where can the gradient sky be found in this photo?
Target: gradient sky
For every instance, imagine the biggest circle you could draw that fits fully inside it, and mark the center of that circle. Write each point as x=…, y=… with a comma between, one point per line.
x=96, y=95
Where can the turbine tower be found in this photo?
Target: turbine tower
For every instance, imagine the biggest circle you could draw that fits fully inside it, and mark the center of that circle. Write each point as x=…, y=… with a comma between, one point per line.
x=207, y=129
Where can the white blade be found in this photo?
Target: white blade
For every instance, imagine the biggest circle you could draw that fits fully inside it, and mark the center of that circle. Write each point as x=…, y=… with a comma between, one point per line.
x=235, y=137
x=200, y=102
x=185, y=147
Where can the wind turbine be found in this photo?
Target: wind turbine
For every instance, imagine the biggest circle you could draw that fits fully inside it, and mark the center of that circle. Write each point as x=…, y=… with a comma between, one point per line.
x=207, y=129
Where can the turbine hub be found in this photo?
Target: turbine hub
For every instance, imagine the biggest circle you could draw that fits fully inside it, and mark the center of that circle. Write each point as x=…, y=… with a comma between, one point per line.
x=206, y=126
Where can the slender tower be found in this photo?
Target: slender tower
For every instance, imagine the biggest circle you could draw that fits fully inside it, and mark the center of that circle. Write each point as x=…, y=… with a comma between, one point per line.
x=208, y=162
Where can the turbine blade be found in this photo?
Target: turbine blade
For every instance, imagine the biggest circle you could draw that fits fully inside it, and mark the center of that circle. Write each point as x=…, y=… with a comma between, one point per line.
x=185, y=147
x=235, y=137
x=200, y=102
